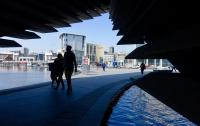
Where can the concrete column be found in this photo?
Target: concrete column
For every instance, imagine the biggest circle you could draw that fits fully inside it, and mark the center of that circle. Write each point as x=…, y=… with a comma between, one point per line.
x=134, y=62
x=154, y=63
x=147, y=62
x=161, y=63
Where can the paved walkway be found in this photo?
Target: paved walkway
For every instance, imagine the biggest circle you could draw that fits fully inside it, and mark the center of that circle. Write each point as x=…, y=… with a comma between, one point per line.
x=46, y=106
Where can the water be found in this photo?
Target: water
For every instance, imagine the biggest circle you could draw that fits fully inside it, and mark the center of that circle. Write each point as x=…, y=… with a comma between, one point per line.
x=17, y=76
x=138, y=108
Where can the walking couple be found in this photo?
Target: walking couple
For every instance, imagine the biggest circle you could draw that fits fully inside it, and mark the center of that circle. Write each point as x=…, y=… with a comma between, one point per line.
x=66, y=65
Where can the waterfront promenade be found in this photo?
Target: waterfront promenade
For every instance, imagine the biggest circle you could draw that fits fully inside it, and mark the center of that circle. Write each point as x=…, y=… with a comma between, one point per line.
x=42, y=105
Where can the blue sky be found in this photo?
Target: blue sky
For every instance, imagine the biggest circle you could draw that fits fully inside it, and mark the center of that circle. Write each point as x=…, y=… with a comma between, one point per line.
x=97, y=30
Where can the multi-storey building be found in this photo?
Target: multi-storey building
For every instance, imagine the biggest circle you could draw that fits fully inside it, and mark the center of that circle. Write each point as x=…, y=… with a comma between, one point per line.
x=91, y=52
x=109, y=59
x=95, y=53
x=77, y=42
x=26, y=51
x=111, y=50
x=99, y=53
x=11, y=56
x=120, y=59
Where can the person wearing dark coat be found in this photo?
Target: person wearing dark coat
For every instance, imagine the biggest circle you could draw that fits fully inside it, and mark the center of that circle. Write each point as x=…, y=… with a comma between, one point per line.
x=52, y=74
x=59, y=62
x=69, y=65
x=142, y=67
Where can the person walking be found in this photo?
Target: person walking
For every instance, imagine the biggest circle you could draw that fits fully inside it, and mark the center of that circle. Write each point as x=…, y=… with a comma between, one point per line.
x=52, y=74
x=69, y=64
x=142, y=67
x=58, y=62
x=104, y=66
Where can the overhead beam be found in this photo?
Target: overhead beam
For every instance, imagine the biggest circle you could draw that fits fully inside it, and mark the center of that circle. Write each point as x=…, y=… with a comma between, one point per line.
x=4, y=43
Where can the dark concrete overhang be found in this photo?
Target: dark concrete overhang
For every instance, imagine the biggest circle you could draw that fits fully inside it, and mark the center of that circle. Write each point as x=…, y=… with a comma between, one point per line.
x=168, y=26
x=8, y=43
x=152, y=19
x=20, y=19
x=159, y=50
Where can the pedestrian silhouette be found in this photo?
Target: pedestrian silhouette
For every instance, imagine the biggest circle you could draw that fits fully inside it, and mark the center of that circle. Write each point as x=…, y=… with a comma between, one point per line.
x=104, y=66
x=142, y=67
x=52, y=74
x=69, y=64
x=58, y=63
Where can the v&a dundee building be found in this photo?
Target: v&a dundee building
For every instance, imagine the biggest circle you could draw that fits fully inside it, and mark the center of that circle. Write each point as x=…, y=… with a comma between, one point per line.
x=170, y=29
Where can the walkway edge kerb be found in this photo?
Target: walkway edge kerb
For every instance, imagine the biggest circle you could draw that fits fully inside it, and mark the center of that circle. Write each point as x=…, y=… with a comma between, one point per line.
x=113, y=102
x=28, y=87
x=33, y=86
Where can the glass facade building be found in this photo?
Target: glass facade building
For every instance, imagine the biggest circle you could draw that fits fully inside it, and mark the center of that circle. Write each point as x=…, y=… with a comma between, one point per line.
x=77, y=42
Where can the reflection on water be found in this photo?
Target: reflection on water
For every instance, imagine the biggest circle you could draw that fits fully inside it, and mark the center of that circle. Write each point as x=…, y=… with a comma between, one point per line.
x=21, y=68
x=137, y=107
x=21, y=75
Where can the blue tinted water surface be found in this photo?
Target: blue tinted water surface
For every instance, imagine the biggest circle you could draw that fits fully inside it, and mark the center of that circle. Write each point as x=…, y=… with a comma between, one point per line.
x=138, y=108
x=13, y=76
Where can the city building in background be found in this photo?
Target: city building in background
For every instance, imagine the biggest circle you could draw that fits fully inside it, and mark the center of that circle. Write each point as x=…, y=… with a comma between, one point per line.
x=91, y=52
x=99, y=53
x=106, y=52
x=119, y=59
x=40, y=57
x=86, y=54
x=22, y=57
x=26, y=51
x=109, y=59
x=111, y=50
x=50, y=56
x=77, y=42
x=16, y=52
x=8, y=56
x=95, y=53
x=27, y=58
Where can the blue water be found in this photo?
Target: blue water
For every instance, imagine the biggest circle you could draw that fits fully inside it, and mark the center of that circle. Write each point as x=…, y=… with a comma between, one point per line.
x=12, y=77
x=19, y=76
x=138, y=108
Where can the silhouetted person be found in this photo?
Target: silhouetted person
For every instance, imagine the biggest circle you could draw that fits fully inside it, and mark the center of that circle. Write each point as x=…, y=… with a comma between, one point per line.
x=104, y=66
x=59, y=62
x=52, y=74
x=69, y=64
x=142, y=67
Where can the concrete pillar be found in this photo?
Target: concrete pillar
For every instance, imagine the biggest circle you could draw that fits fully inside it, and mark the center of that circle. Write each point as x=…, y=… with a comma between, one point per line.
x=147, y=62
x=134, y=62
x=161, y=63
x=154, y=63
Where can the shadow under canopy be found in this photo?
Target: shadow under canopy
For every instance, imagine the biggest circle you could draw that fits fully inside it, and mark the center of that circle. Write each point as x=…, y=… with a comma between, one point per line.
x=4, y=43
